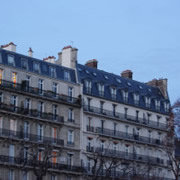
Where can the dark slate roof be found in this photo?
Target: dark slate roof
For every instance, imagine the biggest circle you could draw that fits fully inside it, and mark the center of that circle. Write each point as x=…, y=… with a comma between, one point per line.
x=110, y=79
x=44, y=66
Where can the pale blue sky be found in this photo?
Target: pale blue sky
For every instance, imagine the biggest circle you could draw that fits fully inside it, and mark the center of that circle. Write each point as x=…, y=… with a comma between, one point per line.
x=141, y=35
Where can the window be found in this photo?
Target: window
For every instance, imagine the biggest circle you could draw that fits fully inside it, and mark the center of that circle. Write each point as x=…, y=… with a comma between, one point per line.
x=54, y=109
x=125, y=113
x=54, y=157
x=115, y=127
x=69, y=159
x=39, y=157
x=126, y=130
x=157, y=104
x=40, y=107
x=28, y=80
x=25, y=175
x=101, y=106
x=158, y=120
x=11, y=153
x=67, y=76
x=26, y=130
x=70, y=93
x=41, y=85
x=70, y=115
x=102, y=146
x=44, y=68
x=12, y=126
x=102, y=125
x=1, y=97
x=127, y=150
x=36, y=67
x=24, y=64
x=114, y=147
x=125, y=95
x=40, y=132
x=1, y=124
x=0, y=58
x=136, y=98
x=101, y=89
x=150, y=136
x=52, y=71
x=114, y=109
x=53, y=177
x=26, y=152
x=88, y=86
x=71, y=137
x=11, y=174
x=148, y=117
x=1, y=76
x=14, y=101
x=54, y=134
x=54, y=88
x=166, y=106
x=148, y=102
x=27, y=103
x=137, y=115
x=88, y=164
x=11, y=61
x=113, y=93
x=14, y=77
x=89, y=145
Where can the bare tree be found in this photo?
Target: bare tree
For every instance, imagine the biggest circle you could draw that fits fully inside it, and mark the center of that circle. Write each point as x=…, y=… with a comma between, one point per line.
x=171, y=140
x=40, y=159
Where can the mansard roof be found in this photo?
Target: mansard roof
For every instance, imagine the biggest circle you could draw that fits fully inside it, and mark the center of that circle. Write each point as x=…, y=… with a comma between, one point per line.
x=44, y=66
x=129, y=85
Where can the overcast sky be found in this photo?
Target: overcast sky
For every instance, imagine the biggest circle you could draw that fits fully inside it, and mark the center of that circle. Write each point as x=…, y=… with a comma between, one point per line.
x=141, y=35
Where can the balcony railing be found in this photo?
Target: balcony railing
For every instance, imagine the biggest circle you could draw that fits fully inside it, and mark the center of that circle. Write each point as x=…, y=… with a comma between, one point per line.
x=23, y=87
x=122, y=116
x=89, y=148
x=28, y=162
x=31, y=137
x=31, y=113
x=129, y=156
x=129, y=136
x=70, y=143
x=90, y=128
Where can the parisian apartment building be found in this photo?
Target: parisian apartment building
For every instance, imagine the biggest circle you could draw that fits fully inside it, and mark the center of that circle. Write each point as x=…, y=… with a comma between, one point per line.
x=74, y=122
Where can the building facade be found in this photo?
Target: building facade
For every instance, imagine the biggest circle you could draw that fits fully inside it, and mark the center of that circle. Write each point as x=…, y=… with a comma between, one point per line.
x=86, y=122
x=39, y=109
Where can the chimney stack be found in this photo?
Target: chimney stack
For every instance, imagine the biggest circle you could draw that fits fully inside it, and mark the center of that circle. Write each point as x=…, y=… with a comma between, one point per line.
x=30, y=52
x=92, y=63
x=127, y=74
x=68, y=57
x=50, y=59
x=10, y=47
x=161, y=84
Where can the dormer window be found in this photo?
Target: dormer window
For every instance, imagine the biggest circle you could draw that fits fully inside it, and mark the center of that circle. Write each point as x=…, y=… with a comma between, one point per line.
x=125, y=95
x=36, y=67
x=157, y=104
x=136, y=98
x=11, y=61
x=148, y=102
x=166, y=106
x=88, y=86
x=24, y=64
x=66, y=75
x=113, y=92
x=52, y=71
x=101, y=89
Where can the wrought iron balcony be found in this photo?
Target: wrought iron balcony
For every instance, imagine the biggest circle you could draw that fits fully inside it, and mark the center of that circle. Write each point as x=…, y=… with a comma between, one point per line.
x=23, y=87
x=28, y=162
x=20, y=135
x=129, y=136
x=33, y=113
x=129, y=156
x=70, y=143
x=90, y=128
x=89, y=148
x=125, y=117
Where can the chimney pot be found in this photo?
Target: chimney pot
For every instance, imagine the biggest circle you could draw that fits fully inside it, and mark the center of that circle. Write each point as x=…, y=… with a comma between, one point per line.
x=50, y=59
x=30, y=52
x=127, y=74
x=92, y=63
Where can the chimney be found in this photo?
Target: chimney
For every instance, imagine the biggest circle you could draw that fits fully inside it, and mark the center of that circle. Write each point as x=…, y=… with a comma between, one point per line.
x=50, y=59
x=68, y=57
x=30, y=52
x=161, y=84
x=10, y=47
x=127, y=74
x=92, y=63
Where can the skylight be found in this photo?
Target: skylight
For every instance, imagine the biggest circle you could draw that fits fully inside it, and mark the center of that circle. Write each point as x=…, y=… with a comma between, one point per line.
x=106, y=77
x=118, y=80
x=87, y=72
x=140, y=87
x=128, y=83
x=79, y=69
x=94, y=74
x=149, y=90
